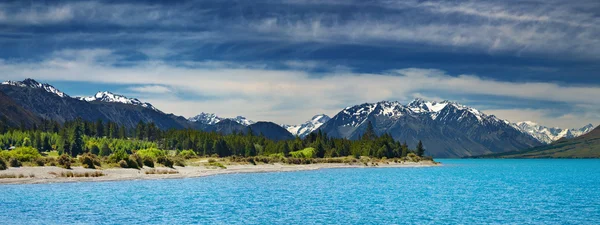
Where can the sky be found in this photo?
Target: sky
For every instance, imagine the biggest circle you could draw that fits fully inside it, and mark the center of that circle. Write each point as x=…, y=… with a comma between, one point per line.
x=287, y=60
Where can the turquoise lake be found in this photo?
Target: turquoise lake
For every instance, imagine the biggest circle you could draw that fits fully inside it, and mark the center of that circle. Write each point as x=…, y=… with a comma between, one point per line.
x=473, y=191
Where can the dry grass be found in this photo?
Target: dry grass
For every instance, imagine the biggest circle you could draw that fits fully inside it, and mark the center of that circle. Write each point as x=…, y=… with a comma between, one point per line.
x=5, y=176
x=72, y=174
x=155, y=171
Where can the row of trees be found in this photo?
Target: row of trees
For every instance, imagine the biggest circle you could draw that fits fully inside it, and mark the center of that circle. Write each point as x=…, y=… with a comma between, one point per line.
x=104, y=138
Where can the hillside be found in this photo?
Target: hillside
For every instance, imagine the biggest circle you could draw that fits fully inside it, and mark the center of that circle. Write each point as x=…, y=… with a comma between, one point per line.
x=585, y=146
x=14, y=115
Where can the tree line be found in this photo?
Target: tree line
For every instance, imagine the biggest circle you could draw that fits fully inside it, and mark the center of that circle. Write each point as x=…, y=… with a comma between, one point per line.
x=105, y=138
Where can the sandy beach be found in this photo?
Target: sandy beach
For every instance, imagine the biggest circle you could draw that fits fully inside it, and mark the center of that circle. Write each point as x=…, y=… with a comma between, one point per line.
x=51, y=174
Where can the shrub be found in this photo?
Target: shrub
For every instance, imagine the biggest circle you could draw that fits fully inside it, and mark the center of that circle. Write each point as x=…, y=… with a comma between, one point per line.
x=148, y=161
x=89, y=161
x=123, y=164
x=3, y=164
x=65, y=161
x=137, y=159
x=179, y=162
x=118, y=155
x=211, y=160
x=187, y=154
x=165, y=161
x=153, y=153
x=14, y=162
x=40, y=162
x=25, y=154
x=132, y=162
x=251, y=161
x=155, y=171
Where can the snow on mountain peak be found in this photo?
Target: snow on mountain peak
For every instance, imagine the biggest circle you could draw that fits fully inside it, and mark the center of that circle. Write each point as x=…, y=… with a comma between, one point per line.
x=106, y=96
x=31, y=83
x=550, y=134
x=308, y=127
x=211, y=118
x=243, y=120
x=321, y=118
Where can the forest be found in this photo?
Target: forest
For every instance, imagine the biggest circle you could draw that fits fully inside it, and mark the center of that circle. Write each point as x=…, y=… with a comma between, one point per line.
x=99, y=139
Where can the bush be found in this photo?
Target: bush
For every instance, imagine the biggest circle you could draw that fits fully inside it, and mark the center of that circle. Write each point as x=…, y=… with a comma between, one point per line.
x=137, y=159
x=188, y=154
x=153, y=153
x=40, y=162
x=65, y=161
x=3, y=164
x=179, y=162
x=25, y=154
x=165, y=161
x=14, y=162
x=123, y=164
x=132, y=162
x=89, y=161
x=118, y=155
x=148, y=161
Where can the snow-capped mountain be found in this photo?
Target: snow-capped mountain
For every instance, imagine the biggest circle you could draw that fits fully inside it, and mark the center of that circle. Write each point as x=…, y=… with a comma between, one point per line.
x=308, y=127
x=550, y=134
x=106, y=96
x=206, y=118
x=31, y=83
x=211, y=119
x=448, y=129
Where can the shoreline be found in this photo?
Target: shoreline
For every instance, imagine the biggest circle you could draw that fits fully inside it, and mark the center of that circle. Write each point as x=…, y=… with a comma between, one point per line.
x=50, y=174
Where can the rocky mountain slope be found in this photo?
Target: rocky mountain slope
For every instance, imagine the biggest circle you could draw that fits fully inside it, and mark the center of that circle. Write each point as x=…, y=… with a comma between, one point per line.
x=447, y=129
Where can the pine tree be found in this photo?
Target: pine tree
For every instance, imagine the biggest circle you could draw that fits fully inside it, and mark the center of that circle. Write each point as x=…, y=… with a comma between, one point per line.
x=46, y=144
x=404, y=148
x=369, y=132
x=77, y=144
x=105, y=150
x=99, y=128
x=319, y=150
x=285, y=149
x=249, y=150
x=420, y=149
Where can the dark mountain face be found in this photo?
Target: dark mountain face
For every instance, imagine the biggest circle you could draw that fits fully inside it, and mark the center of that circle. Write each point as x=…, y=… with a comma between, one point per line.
x=584, y=146
x=49, y=105
x=447, y=129
x=271, y=131
x=14, y=115
x=225, y=127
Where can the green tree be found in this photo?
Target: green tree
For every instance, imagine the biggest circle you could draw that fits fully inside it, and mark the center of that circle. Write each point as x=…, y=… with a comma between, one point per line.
x=94, y=149
x=369, y=132
x=99, y=128
x=26, y=142
x=77, y=144
x=319, y=150
x=249, y=150
x=104, y=150
x=420, y=149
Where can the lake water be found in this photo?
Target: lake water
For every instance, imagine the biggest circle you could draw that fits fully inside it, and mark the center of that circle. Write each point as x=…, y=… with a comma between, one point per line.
x=462, y=191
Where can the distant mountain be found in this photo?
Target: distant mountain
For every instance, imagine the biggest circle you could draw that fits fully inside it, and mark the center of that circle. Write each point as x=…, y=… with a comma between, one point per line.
x=47, y=102
x=550, y=134
x=31, y=83
x=447, y=129
x=271, y=131
x=211, y=118
x=308, y=127
x=226, y=126
x=14, y=115
x=106, y=96
x=584, y=146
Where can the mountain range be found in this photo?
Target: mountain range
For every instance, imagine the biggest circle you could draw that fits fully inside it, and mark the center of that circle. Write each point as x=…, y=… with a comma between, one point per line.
x=584, y=146
x=448, y=129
